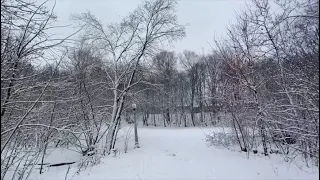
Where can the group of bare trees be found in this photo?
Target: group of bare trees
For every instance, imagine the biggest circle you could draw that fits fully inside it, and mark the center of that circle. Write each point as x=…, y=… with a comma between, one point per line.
x=272, y=56
x=177, y=96
x=270, y=76
x=126, y=45
x=75, y=98
x=262, y=80
x=26, y=111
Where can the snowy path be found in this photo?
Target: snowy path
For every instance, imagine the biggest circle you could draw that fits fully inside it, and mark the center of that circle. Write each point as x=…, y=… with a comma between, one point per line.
x=181, y=153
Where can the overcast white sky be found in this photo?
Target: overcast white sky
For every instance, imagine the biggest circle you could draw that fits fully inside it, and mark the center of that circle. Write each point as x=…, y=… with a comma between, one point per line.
x=206, y=19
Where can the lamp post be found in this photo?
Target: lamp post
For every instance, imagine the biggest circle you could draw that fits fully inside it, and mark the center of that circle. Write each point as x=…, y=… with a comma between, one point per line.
x=136, y=140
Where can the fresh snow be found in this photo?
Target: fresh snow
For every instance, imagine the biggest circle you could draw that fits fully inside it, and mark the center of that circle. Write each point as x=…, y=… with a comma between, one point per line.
x=175, y=153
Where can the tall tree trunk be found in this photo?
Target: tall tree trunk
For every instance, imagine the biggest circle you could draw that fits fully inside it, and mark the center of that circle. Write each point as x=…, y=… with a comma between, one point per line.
x=116, y=132
x=177, y=118
x=164, y=121
x=263, y=136
x=262, y=124
x=192, y=109
x=116, y=123
x=200, y=101
x=168, y=116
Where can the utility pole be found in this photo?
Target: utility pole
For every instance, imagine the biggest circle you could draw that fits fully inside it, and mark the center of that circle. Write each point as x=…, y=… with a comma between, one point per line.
x=136, y=140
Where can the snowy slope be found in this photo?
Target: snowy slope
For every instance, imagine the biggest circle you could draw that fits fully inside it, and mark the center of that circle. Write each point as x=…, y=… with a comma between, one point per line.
x=182, y=153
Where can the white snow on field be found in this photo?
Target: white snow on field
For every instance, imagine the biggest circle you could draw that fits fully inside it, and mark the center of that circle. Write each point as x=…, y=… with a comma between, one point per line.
x=179, y=153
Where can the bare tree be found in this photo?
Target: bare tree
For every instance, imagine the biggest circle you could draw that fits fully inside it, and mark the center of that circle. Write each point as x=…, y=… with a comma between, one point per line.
x=189, y=59
x=164, y=65
x=127, y=43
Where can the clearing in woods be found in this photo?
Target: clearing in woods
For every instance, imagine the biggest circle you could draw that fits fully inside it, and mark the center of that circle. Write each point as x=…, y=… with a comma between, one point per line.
x=179, y=153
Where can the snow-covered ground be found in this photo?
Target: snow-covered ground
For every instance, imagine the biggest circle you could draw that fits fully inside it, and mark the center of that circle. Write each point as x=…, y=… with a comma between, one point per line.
x=176, y=153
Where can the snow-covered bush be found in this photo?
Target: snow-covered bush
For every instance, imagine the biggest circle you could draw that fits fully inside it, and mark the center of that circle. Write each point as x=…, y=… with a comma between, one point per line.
x=221, y=139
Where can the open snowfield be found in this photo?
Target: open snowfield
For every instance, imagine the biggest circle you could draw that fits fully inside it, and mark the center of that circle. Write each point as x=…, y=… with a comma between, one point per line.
x=176, y=153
